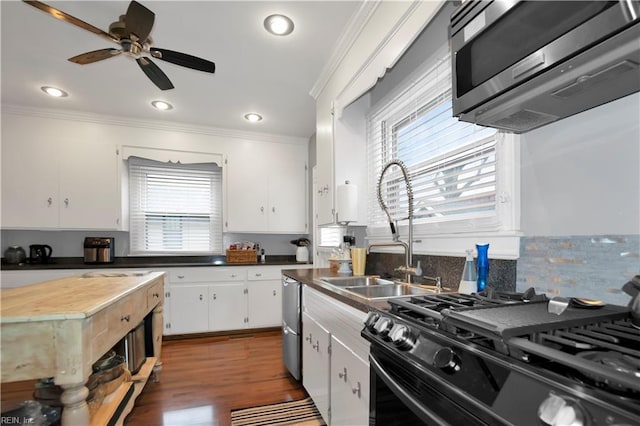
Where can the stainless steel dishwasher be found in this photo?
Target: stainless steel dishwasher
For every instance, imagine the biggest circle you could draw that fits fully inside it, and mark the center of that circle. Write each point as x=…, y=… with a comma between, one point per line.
x=292, y=326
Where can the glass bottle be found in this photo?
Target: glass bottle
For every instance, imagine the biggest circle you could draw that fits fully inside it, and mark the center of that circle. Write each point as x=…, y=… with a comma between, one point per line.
x=483, y=265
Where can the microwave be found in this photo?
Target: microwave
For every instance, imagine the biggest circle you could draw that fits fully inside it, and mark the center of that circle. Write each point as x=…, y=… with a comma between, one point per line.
x=519, y=65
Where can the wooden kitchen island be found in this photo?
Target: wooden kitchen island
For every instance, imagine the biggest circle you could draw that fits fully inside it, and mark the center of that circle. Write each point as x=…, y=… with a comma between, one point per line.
x=60, y=328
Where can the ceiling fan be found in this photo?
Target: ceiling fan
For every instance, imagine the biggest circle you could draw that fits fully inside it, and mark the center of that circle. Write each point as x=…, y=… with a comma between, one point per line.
x=131, y=32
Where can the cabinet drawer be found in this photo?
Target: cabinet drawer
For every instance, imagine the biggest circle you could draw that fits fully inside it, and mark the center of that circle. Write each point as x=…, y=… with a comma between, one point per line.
x=202, y=275
x=126, y=314
x=155, y=295
x=264, y=273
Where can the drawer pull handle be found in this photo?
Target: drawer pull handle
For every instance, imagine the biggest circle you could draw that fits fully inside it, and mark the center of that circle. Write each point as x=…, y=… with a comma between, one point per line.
x=156, y=295
x=316, y=346
x=180, y=276
x=49, y=201
x=274, y=293
x=214, y=296
x=125, y=318
x=258, y=275
x=200, y=297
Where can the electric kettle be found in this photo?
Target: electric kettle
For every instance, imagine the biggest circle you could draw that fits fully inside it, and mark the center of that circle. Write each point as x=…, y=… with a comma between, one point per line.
x=40, y=253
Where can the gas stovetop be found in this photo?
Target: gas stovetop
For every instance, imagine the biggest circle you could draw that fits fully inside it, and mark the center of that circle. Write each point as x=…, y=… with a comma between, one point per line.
x=596, y=345
x=585, y=360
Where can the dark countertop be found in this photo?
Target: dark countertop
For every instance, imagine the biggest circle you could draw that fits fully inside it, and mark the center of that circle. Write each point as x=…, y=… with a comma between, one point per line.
x=311, y=277
x=145, y=262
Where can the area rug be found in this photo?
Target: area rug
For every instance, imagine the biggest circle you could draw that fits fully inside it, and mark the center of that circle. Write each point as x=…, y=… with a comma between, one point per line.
x=302, y=412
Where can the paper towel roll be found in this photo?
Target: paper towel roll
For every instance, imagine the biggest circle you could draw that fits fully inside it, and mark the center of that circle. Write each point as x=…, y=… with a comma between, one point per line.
x=347, y=202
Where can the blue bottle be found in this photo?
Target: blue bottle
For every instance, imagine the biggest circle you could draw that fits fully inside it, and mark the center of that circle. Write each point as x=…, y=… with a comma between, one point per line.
x=483, y=265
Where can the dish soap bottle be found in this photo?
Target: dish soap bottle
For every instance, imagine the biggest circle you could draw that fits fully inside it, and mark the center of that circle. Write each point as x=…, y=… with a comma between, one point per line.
x=483, y=265
x=469, y=280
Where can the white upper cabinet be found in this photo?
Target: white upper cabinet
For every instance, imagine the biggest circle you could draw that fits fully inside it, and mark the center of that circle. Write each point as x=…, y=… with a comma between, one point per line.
x=266, y=188
x=53, y=178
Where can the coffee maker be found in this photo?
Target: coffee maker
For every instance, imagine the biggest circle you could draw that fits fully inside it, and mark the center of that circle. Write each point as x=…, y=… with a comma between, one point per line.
x=99, y=250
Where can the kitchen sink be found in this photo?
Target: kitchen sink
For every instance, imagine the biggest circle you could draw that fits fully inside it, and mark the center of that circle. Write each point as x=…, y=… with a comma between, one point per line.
x=373, y=287
x=389, y=291
x=364, y=281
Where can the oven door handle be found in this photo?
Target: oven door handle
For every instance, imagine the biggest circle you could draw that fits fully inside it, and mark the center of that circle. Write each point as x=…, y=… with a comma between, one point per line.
x=412, y=403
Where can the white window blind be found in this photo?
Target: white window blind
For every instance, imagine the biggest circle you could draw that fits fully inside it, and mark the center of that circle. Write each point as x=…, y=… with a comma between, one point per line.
x=174, y=208
x=451, y=164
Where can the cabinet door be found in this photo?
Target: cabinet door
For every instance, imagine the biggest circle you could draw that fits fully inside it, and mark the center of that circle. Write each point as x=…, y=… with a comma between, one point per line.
x=189, y=309
x=228, y=307
x=265, y=303
x=89, y=186
x=288, y=191
x=29, y=180
x=349, y=387
x=315, y=363
x=247, y=188
x=324, y=180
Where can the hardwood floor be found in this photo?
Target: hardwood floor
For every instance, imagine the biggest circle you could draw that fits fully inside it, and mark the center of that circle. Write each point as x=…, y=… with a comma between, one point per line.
x=203, y=379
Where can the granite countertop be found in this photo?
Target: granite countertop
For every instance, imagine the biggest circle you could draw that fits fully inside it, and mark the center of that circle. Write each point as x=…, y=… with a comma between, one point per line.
x=145, y=262
x=312, y=278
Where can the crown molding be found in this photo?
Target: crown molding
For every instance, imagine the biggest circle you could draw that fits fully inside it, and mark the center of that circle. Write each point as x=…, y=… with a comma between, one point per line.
x=71, y=115
x=352, y=30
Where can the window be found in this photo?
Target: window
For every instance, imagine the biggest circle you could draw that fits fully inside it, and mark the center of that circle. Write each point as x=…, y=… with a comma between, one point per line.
x=174, y=208
x=459, y=172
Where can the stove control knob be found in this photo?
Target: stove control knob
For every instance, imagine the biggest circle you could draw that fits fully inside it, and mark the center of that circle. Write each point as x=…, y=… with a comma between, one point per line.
x=446, y=360
x=382, y=327
x=371, y=320
x=561, y=411
x=402, y=337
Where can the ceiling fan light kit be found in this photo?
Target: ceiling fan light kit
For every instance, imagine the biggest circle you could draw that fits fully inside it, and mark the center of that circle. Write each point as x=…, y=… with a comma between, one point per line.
x=131, y=32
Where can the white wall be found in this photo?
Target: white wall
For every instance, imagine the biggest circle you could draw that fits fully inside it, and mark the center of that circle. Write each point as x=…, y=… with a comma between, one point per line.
x=581, y=175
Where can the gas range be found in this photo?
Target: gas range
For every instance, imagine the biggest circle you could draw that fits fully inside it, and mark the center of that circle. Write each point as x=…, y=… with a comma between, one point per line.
x=503, y=358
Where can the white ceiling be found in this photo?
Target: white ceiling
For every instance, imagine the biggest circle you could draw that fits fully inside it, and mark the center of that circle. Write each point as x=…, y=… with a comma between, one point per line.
x=255, y=71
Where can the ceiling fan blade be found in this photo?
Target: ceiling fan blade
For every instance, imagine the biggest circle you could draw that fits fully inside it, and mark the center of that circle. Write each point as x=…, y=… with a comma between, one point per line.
x=139, y=20
x=154, y=73
x=95, y=56
x=183, y=59
x=70, y=19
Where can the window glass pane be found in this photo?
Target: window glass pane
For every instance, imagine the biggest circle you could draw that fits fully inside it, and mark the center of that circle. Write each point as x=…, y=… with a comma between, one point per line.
x=451, y=164
x=175, y=208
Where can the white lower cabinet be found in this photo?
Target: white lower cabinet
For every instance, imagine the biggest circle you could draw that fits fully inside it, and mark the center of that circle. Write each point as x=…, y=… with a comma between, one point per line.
x=316, y=363
x=264, y=290
x=336, y=378
x=349, y=387
x=192, y=302
x=228, y=307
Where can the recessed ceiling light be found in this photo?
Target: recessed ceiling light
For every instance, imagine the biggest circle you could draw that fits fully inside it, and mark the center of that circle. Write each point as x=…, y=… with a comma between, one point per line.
x=54, y=91
x=162, y=105
x=278, y=25
x=253, y=117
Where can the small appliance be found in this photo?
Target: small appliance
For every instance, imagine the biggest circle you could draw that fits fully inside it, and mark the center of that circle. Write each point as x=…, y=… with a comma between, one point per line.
x=40, y=253
x=99, y=250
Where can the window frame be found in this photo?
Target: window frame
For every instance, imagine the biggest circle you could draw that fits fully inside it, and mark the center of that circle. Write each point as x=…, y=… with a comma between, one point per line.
x=448, y=236
x=216, y=219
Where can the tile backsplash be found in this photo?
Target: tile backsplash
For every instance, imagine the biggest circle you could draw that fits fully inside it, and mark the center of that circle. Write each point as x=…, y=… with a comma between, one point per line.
x=587, y=266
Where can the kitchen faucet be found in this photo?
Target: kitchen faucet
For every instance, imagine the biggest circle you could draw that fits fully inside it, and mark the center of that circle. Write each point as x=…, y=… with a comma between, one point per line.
x=407, y=268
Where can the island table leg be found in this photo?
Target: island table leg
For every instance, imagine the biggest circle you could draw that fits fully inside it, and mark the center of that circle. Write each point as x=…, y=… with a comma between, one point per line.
x=75, y=411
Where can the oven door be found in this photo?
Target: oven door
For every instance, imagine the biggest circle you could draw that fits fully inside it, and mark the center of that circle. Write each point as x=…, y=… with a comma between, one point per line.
x=403, y=394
